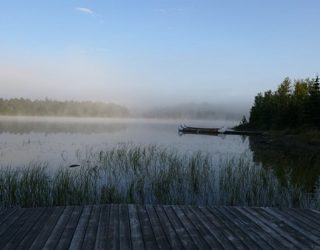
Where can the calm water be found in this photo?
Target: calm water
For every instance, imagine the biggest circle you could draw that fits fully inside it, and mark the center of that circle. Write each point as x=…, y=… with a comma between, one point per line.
x=57, y=140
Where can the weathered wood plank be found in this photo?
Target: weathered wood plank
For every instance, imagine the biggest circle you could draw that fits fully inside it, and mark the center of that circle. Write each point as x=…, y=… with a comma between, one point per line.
x=273, y=243
x=25, y=229
x=3, y=210
x=311, y=224
x=222, y=226
x=211, y=239
x=35, y=230
x=57, y=231
x=213, y=228
x=10, y=219
x=91, y=232
x=68, y=232
x=102, y=232
x=45, y=232
x=193, y=232
x=228, y=221
x=80, y=231
x=161, y=238
x=246, y=228
x=124, y=228
x=136, y=231
x=158, y=227
x=294, y=224
x=181, y=232
x=268, y=230
x=149, y=239
x=113, y=229
x=281, y=228
x=311, y=213
x=14, y=225
x=6, y=213
x=315, y=211
x=168, y=229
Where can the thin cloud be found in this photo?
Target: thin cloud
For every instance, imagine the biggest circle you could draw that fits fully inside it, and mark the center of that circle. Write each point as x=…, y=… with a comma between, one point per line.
x=85, y=10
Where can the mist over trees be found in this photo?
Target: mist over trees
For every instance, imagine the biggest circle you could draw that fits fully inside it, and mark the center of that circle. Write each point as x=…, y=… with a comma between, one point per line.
x=197, y=111
x=295, y=104
x=47, y=107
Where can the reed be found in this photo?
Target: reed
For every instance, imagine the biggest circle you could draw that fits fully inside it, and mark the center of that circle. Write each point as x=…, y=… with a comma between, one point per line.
x=151, y=175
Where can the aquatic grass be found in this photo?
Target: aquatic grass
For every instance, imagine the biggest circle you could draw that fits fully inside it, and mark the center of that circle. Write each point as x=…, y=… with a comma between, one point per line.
x=130, y=173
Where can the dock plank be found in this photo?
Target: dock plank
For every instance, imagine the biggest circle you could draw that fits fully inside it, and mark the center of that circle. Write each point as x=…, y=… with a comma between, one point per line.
x=45, y=232
x=9, y=230
x=147, y=230
x=193, y=232
x=91, y=232
x=179, y=228
x=10, y=219
x=80, y=230
x=246, y=228
x=292, y=222
x=258, y=230
x=36, y=230
x=136, y=231
x=6, y=213
x=213, y=228
x=276, y=238
x=174, y=241
x=309, y=223
x=68, y=232
x=121, y=226
x=25, y=229
x=113, y=229
x=224, y=225
x=124, y=228
x=57, y=231
x=161, y=238
x=284, y=231
x=102, y=232
x=212, y=240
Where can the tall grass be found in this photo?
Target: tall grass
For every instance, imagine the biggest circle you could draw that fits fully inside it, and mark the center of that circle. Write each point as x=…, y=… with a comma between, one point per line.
x=151, y=175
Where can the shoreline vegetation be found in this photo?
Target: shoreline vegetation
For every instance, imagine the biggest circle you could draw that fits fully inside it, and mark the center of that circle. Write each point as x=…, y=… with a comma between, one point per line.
x=290, y=120
x=27, y=107
x=289, y=116
x=90, y=109
x=294, y=106
x=151, y=175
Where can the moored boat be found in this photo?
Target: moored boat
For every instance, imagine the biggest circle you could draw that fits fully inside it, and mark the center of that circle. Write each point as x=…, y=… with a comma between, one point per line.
x=195, y=130
x=183, y=129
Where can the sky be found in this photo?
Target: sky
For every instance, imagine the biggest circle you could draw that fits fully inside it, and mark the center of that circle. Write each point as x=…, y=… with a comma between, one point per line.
x=148, y=53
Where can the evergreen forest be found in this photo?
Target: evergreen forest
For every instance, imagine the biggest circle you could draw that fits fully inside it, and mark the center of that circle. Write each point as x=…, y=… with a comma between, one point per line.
x=295, y=104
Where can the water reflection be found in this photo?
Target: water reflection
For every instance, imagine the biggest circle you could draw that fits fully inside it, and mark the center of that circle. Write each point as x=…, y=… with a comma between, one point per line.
x=57, y=140
x=301, y=164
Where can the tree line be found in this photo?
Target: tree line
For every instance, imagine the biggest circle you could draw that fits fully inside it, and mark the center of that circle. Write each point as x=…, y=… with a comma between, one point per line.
x=27, y=107
x=295, y=104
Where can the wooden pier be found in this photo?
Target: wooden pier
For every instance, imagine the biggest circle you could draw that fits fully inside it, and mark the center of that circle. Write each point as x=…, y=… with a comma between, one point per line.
x=158, y=227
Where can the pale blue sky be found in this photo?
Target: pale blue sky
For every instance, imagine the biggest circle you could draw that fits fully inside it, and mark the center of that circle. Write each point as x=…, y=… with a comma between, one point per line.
x=155, y=52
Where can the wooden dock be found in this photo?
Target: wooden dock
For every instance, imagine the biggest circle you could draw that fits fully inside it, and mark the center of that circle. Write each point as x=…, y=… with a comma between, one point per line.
x=158, y=227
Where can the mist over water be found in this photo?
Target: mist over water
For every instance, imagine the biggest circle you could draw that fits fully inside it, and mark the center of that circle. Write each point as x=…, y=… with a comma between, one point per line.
x=60, y=141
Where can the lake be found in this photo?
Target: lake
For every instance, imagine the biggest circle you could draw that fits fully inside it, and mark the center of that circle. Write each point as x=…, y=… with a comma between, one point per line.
x=60, y=141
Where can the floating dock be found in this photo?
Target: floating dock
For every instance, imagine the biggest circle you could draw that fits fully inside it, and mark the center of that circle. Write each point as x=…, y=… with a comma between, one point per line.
x=158, y=227
x=215, y=131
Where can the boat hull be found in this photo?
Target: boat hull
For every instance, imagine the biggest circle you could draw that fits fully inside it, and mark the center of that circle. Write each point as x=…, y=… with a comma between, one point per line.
x=215, y=131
